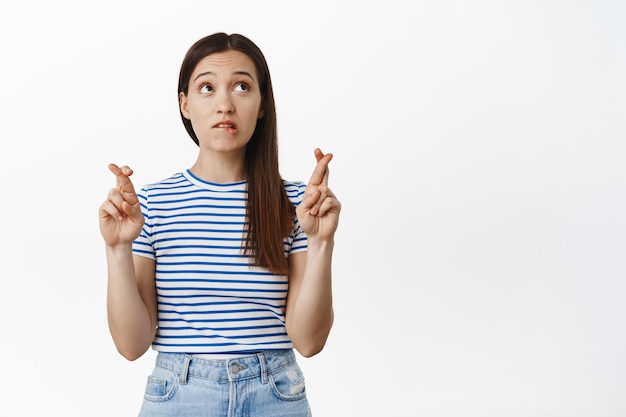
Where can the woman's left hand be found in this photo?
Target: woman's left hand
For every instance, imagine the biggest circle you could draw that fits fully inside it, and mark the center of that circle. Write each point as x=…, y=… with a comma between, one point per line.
x=318, y=213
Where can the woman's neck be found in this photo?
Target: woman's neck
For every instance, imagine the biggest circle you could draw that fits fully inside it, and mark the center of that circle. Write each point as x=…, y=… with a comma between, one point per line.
x=220, y=168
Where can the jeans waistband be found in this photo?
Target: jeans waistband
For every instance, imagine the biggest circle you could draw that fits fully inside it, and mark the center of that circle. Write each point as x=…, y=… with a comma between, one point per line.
x=252, y=366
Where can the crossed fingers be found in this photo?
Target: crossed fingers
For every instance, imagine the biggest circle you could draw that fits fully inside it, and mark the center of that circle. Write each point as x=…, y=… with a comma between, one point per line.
x=123, y=196
x=317, y=188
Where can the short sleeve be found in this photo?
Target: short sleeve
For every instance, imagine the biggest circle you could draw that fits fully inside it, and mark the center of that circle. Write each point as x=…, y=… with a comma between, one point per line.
x=297, y=241
x=142, y=246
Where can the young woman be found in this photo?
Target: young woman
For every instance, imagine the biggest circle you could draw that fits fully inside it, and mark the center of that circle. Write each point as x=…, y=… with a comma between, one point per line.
x=223, y=268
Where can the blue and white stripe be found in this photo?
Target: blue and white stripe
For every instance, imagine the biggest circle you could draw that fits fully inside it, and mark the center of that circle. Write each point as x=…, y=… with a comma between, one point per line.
x=210, y=298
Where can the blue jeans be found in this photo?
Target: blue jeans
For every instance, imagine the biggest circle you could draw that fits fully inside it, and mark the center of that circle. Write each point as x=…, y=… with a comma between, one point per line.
x=262, y=385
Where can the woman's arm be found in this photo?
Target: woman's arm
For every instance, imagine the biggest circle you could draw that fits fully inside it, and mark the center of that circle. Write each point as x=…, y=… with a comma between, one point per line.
x=131, y=292
x=309, y=314
x=131, y=301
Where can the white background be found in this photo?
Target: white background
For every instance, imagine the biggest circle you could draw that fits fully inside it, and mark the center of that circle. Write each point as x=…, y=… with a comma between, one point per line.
x=480, y=157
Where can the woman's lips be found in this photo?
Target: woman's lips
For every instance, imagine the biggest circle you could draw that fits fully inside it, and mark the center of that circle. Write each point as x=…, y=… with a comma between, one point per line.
x=227, y=125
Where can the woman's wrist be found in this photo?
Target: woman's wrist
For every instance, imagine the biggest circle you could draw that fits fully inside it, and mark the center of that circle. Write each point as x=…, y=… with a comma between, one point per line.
x=120, y=249
x=321, y=244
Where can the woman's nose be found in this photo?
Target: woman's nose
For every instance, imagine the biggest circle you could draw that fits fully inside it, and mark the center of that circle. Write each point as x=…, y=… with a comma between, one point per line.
x=225, y=103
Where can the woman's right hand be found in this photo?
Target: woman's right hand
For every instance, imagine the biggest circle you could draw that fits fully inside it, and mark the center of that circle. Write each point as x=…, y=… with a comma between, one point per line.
x=120, y=215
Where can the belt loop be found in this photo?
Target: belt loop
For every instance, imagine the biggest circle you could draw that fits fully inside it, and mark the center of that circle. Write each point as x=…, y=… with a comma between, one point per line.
x=263, y=363
x=184, y=372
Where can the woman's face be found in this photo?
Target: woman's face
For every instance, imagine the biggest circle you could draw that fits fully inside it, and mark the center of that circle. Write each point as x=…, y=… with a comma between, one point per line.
x=223, y=102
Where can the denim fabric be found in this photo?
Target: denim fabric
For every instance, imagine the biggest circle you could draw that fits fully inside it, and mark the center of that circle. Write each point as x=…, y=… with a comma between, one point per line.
x=268, y=384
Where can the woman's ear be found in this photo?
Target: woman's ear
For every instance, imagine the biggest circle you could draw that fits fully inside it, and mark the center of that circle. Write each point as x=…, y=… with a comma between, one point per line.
x=184, y=108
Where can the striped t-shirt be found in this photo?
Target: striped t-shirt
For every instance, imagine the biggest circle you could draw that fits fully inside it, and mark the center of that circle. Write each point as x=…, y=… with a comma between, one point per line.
x=210, y=298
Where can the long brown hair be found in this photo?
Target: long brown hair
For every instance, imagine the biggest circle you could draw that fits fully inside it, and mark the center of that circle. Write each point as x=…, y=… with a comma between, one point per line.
x=268, y=210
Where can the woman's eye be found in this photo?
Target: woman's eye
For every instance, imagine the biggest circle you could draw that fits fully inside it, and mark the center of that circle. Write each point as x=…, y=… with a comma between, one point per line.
x=206, y=88
x=242, y=87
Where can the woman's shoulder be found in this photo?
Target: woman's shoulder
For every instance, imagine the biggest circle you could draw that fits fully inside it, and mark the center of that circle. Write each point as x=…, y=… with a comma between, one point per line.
x=294, y=190
x=171, y=182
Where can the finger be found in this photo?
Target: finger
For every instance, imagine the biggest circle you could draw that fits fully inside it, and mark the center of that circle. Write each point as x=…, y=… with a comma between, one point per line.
x=325, y=178
x=131, y=211
x=311, y=196
x=329, y=204
x=116, y=199
x=323, y=195
x=120, y=171
x=321, y=192
x=118, y=207
x=321, y=168
x=124, y=184
x=124, y=193
x=329, y=192
x=126, y=170
x=109, y=209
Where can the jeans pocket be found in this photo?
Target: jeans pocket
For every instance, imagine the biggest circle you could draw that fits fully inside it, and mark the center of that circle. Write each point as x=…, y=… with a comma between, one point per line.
x=288, y=383
x=161, y=385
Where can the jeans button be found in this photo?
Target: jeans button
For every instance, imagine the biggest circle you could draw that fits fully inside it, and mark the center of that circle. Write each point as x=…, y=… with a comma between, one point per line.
x=236, y=368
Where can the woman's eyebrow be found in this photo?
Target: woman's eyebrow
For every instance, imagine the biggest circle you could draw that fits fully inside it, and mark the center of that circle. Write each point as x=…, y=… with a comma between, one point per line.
x=202, y=74
x=212, y=73
x=244, y=73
